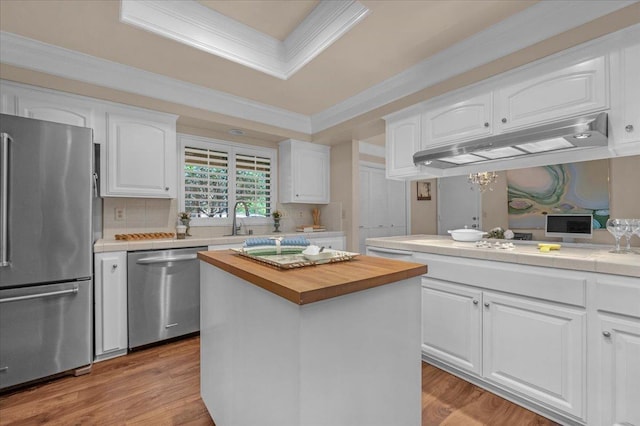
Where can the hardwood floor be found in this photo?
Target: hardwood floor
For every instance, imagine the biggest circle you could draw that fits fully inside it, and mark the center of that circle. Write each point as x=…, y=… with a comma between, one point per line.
x=161, y=386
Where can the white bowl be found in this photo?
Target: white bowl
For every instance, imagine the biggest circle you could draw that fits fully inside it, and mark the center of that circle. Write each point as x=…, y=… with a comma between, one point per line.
x=467, y=234
x=323, y=255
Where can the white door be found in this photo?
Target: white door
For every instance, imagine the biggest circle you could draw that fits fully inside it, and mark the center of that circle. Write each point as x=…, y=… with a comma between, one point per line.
x=458, y=204
x=620, y=371
x=383, y=205
x=452, y=324
x=536, y=349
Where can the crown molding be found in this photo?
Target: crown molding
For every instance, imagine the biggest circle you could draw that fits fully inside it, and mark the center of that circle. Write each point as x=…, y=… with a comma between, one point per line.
x=539, y=22
x=195, y=25
x=35, y=55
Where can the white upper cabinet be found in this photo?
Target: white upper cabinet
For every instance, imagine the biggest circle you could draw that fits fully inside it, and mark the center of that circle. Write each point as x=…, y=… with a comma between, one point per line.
x=140, y=156
x=304, y=172
x=574, y=90
x=467, y=119
x=59, y=108
x=627, y=125
x=403, y=140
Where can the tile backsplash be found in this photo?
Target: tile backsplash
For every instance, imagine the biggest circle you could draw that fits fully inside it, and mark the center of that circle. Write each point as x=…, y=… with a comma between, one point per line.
x=141, y=215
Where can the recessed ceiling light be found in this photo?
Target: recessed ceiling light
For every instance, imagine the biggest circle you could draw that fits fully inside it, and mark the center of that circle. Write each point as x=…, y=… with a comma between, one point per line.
x=236, y=132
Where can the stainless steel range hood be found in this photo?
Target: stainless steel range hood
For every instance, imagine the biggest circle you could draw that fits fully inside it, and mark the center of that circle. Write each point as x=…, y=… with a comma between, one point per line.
x=587, y=131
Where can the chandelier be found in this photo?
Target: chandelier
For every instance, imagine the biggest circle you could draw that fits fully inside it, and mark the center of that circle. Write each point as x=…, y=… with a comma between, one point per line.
x=483, y=180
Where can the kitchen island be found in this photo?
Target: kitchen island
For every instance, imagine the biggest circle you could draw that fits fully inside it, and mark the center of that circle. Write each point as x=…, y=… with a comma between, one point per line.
x=332, y=344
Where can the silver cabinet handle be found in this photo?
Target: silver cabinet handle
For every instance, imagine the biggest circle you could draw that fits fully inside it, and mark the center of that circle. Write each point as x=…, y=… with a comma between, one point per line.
x=486, y=124
x=95, y=184
x=171, y=325
x=5, y=139
x=486, y=305
x=504, y=120
x=606, y=334
x=149, y=260
x=39, y=295
x=114, y=266
x=629, y=128
x=3, y=369
x=475, y=302
x=166, y=188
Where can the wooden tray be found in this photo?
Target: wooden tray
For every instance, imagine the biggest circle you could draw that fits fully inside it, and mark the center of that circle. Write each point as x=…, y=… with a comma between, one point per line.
x=291, y=261
x=145, y=236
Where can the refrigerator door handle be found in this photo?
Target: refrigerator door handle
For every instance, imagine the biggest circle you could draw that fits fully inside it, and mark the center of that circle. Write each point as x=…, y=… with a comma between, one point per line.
x=40, y=295
x=5, y=139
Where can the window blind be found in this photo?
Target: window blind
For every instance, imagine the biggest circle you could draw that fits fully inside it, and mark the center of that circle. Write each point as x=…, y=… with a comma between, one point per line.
x=216, y=177
x=253, y=183
x=206, y=185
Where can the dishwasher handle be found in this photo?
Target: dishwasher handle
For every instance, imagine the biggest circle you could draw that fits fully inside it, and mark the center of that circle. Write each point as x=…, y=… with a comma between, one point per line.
x=151, y=260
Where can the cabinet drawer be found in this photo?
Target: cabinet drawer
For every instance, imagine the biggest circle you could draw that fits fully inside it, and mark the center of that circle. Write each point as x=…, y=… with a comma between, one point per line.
x=44, y=330
x=619, y=295
x=567, y=287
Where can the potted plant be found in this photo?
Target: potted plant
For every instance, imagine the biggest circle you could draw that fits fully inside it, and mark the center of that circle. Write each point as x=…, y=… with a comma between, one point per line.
x=277, y=215
x=185, y=219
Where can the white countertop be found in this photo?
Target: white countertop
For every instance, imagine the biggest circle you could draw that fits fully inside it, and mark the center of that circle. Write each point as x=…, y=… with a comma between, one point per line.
x=107, y=245
x=578, y=257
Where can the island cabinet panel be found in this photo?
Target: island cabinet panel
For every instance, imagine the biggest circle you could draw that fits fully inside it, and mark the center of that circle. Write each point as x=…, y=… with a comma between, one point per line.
x=536, y=349
x=347, y=360
x=462, y=120
x=619, y=368
x=570, y=91
x=452, y=324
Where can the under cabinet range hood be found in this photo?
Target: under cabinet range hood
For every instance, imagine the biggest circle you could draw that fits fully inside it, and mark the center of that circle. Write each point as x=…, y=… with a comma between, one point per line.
x=582, y=132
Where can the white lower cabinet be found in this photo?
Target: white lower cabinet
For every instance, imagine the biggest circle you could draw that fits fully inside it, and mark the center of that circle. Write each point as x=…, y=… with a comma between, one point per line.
x=619, y=370
x=536, y=349
x=111, y=336
x=452, y=324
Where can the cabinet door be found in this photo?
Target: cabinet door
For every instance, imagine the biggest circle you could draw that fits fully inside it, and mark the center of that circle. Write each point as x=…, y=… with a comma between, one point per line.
x=141, y=157
x=110, y=304
x=452, y=324
x=396, y=206
x=536, y=349
x=463, y=120
x=403, y=140
x=571, y=91
x=311, y=174
x=61, y=109
x=620, y=371
x=630, y=92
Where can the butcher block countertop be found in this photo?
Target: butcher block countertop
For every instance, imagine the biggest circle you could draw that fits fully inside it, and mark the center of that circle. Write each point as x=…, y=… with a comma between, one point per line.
x=315, y=283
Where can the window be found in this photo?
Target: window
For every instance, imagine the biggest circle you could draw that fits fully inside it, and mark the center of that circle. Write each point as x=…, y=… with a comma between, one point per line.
x=217, y=174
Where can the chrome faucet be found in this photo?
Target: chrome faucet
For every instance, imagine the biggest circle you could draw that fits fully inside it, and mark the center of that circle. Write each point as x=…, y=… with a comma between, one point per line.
x=234, y=230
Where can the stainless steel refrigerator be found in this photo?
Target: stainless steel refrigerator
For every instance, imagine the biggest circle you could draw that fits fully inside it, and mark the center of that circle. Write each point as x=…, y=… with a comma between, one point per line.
x=46, y=287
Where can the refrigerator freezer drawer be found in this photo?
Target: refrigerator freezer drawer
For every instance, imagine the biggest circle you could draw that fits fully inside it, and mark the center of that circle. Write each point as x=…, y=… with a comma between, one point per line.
x=44, y=330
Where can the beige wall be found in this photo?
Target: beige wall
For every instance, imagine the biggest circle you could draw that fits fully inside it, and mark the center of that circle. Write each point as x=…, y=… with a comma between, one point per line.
x=424, y=213
x=624, y=196
x=342, y=182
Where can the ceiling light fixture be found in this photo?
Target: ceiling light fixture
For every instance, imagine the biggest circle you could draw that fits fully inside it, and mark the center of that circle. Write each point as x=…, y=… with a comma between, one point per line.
x=483, y=180
x=583, y=136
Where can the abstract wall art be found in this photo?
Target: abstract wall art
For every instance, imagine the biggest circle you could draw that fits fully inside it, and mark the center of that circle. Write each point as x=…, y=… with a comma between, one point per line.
x=580, y=188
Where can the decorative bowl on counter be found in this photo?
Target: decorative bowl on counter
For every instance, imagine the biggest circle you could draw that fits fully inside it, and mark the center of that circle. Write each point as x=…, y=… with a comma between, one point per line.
x=468, y=235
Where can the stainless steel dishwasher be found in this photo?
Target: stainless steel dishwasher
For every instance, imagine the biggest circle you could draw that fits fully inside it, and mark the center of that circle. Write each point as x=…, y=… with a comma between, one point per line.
x=163, y=294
